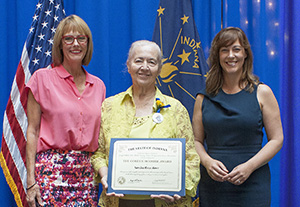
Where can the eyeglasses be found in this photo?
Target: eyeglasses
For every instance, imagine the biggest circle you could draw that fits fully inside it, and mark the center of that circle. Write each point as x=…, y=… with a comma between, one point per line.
x=69, y=39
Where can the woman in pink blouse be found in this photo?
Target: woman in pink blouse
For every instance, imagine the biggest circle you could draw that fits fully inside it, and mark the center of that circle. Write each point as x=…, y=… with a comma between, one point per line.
x=64, y=113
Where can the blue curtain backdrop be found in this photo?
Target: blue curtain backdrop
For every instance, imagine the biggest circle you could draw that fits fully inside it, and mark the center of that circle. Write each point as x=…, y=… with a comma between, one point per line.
x=115, y=24
x=290, y=96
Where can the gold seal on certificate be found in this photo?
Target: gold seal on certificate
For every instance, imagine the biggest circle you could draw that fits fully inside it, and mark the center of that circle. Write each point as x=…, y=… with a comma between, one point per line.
x=147, y=166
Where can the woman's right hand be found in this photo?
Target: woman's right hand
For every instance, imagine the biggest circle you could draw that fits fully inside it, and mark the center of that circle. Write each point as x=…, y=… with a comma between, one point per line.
x=216, y=170
x=33, y=196
x=103, y=173
x=104, y=182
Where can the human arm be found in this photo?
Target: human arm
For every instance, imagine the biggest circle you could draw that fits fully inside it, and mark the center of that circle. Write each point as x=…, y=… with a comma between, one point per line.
x=192, y=159
x=273, y=128
x=99, y=159
x=33, y=129
x=215, y=169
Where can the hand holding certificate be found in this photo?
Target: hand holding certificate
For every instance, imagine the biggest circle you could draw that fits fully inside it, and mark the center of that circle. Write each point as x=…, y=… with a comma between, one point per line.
x=147, y=166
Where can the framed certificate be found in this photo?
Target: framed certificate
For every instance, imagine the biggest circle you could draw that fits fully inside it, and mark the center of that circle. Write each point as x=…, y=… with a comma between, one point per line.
x=147, y=166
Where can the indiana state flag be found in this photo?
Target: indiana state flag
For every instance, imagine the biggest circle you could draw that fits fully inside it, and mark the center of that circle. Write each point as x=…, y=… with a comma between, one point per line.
x=185, y=67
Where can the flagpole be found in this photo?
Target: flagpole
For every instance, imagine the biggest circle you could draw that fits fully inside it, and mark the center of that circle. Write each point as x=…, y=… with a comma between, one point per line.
x=222, y=14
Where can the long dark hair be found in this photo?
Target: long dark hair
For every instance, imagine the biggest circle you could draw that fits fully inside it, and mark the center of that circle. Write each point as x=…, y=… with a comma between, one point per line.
x=224, y=38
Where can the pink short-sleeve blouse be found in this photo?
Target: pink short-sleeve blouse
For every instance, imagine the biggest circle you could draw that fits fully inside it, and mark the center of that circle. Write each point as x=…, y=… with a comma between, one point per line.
x=69, y=120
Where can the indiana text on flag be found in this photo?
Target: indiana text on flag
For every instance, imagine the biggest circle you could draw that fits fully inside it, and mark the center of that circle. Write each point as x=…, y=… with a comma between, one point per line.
x=36, y=54
x=184, y=69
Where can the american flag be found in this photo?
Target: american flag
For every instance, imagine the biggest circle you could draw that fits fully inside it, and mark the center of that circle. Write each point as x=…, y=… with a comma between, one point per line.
x=36, y=54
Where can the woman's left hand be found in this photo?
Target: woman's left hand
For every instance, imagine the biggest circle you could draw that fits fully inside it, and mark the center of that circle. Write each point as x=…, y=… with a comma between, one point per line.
x=239, y=174
x=34, y=196
x=167, y=198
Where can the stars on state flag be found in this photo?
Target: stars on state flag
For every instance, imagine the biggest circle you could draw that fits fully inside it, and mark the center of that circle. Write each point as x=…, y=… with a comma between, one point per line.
x=198, y=45
x=184, y=19
x=160, y=11
x=184, y=56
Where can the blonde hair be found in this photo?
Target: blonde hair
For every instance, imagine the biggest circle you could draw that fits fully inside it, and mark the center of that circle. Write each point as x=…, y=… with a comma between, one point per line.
x=224, y=38
x=76, y=24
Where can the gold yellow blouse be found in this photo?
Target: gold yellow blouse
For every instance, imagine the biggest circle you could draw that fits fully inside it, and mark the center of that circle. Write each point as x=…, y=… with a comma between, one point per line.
x=118, y=115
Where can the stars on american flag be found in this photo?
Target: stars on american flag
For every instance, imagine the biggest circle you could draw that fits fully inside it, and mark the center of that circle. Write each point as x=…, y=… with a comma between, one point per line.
x=48, y=12
x=57, y=6
x=50, y=41
x=35, y=61
x=31, y=29
x=48, y=53
x=38, y=49
x=35, y=17
x=44, y=24
x=55, y=18
x=53, y=29
x=39, y=6
x=47, y=15
x=41, y=37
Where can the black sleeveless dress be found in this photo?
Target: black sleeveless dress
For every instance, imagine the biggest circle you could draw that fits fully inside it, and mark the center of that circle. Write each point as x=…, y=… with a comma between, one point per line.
x=233, y=133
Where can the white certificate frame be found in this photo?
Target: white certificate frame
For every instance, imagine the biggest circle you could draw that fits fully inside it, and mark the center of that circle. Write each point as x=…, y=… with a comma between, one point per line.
x=147, y=166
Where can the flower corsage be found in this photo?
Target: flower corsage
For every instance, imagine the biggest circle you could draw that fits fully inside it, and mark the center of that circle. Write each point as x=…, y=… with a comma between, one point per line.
x=157, y=117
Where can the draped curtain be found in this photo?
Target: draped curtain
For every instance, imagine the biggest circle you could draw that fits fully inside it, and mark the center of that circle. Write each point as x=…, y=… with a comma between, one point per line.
x=115, y=24
x=290, y=102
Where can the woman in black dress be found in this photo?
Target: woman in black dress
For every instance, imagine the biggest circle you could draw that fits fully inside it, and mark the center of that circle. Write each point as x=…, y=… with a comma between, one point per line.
x=229, y=116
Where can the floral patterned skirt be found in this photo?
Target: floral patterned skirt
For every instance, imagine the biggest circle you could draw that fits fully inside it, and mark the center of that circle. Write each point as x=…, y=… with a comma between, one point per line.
x=66, y=178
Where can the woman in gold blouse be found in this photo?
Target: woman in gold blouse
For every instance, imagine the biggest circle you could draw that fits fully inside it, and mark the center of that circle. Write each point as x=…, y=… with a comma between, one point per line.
x=129, y=114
